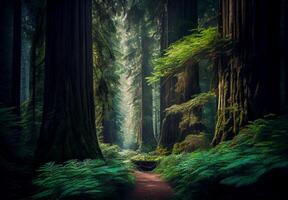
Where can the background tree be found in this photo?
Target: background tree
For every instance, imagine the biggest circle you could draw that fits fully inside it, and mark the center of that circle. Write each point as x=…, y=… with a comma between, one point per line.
x=107, y=70
x=142, y=21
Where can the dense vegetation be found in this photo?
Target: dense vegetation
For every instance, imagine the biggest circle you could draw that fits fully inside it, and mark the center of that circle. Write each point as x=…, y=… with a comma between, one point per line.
x=249, y=162
x=94, y=91
x=90, y=179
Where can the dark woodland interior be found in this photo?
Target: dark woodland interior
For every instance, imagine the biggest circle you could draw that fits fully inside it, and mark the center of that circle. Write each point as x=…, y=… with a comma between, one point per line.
x=143, y=99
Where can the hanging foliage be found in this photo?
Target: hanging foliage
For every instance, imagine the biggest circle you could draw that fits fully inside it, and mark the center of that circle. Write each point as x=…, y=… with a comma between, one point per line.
x=203, y=43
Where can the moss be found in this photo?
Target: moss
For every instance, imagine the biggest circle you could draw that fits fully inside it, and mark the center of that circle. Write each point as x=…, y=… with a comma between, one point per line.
x=191, y=143
x=162, y=151
x=198, y=100
x=190, y=119
x=146, y=157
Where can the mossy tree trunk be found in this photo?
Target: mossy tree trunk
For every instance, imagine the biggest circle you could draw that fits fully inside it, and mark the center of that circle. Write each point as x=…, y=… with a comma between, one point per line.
x=178, y=21
x=248, y=78
x=68, y=128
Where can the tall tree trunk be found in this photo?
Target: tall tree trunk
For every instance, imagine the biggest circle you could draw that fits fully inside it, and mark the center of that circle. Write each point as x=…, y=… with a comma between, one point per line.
x=284, y=57
x=6, y=50
x=109, y=129
x=16, y=67
x=248, y=79
x=36, y=77
x=10, y=69
x=10, y=53
x=147, y=139
x=68, y=128
x=180, y=19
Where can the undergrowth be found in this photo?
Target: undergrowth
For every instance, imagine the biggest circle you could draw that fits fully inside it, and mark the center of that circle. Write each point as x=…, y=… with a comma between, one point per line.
x=9, y=128
x=146, y=157
x=110, y=152
x=258, y=149
x=90, y=179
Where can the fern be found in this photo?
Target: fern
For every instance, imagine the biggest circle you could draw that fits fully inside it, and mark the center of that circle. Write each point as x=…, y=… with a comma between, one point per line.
x=90, y=179
x=201, y=44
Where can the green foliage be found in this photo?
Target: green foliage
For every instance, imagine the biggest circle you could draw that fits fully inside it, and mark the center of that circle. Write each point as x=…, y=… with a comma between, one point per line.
x=191, y=143
x=127, y=154
x=110, y=152
x=199, y=100
x=90, y=179
x=31, y=120
x=203, y=43
x=146, y=157
x=162, y=151
x=259, y=148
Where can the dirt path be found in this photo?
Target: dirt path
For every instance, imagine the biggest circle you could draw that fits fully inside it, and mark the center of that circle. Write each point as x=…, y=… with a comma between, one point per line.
x=149, y=186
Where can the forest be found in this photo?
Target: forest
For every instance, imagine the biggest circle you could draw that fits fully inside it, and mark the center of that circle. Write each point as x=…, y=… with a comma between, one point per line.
x=143, y=99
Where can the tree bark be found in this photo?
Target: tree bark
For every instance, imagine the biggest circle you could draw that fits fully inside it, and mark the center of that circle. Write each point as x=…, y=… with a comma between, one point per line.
x=68, y=128
x=248, y=78
x=6, y=50
x=16, y=66
x=10, y=54
x=284, y=57
x=180, y=19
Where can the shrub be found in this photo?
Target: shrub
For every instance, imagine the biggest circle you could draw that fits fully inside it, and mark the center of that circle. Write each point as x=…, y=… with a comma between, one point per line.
x=90, y=179
x=110, y=152
x=191, y=143
x=128, y=154
x=161, y=151
x=146, y=157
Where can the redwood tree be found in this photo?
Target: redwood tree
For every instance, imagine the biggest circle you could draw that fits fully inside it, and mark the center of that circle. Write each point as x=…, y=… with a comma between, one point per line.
x=179, y=18
x=10, y=53
x=249, y=78
x=68, y=127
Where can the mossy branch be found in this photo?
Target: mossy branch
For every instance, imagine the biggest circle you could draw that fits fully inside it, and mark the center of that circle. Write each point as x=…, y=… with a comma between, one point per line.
x=203, y=43
x=199, y=100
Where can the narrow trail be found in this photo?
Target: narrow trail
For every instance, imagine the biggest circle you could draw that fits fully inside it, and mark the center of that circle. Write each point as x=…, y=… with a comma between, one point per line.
x=149, y=186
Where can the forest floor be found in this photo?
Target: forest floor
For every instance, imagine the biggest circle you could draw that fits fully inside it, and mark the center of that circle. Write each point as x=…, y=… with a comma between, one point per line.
x=150, y=186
